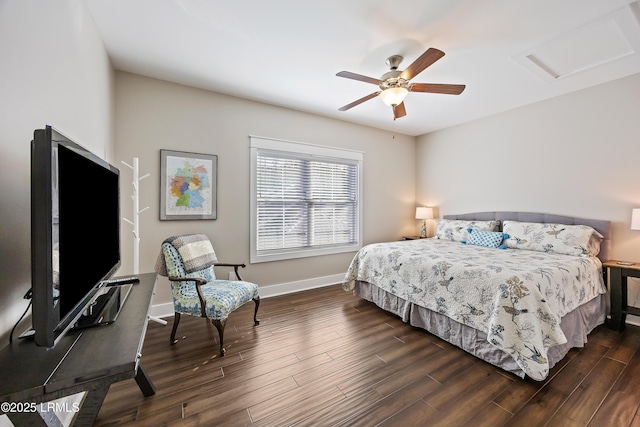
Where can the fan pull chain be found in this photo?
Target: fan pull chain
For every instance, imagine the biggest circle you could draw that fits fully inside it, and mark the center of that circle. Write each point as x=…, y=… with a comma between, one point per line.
x=393, y=134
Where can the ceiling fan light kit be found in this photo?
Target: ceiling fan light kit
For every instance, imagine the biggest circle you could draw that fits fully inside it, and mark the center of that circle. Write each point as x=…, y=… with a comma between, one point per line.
x=393, y=95
x=395, y=86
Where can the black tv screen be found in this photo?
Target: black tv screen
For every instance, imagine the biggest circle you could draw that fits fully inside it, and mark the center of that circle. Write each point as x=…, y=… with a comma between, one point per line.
x=75, y=231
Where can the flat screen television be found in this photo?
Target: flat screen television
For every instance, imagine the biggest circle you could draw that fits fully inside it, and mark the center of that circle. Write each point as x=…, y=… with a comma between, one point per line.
x=75, y=231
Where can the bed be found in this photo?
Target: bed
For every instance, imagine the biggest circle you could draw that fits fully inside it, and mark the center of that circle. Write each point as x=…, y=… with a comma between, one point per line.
x=515, y=289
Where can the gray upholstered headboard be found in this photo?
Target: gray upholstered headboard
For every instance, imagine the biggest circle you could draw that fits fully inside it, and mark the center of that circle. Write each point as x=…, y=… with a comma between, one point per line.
x=602, y=226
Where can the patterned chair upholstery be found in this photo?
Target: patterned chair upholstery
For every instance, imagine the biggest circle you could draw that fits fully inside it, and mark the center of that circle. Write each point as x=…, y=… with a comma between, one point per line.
x=188, y=261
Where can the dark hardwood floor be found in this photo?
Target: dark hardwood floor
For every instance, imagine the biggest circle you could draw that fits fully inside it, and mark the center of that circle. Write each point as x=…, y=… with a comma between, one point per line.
x=324, y=357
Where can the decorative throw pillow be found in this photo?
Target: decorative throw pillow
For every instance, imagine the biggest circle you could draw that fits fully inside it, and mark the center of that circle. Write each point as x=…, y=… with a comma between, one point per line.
x=456, y=229
x=489, y=239
x=577, y=240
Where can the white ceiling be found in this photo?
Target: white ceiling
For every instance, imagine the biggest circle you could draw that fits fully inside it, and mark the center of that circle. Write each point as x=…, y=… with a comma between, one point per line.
x=287, y=52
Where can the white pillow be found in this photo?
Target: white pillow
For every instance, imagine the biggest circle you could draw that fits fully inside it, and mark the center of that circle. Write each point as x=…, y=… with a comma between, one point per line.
x=577, y=240
x=456, y=229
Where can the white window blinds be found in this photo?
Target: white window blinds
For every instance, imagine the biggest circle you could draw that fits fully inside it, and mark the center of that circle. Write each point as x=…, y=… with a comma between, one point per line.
x=306, y=200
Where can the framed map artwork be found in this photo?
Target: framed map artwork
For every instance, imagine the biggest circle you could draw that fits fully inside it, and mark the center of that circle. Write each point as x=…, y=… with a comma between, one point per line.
x=188, y=185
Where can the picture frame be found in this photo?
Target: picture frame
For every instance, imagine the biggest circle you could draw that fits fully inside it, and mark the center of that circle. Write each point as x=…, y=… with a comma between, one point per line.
x=188, y=185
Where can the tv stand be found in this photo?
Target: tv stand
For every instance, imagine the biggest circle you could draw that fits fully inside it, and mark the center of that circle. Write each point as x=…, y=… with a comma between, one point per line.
x=105, y=308
x=88, y=360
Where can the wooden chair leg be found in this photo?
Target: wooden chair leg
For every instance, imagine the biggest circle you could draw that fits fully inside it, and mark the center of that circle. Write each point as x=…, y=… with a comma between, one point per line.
x=220, y=324
x=255, y=313
x=176, y=320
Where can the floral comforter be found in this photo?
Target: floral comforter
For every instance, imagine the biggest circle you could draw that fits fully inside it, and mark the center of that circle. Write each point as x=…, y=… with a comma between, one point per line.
x=516, y=297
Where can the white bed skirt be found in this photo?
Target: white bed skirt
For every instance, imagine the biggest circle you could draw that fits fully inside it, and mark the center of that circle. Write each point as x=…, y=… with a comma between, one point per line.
x=575, y=325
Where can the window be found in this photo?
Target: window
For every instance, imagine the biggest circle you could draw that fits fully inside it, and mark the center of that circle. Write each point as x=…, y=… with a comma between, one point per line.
x=305, y=200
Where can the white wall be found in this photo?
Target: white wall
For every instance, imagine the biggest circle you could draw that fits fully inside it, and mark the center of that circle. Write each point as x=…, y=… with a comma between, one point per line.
x=153, y=115
x=573, y=155
x=54, y=70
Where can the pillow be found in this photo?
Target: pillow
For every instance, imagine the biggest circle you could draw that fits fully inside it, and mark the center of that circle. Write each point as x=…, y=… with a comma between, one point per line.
x=576, y=240
x=456, y=229
x=593, y=248
x=489, y=239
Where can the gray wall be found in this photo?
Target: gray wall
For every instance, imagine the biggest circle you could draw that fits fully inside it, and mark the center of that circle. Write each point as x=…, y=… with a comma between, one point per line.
x=153, y=115
x=574, y=155
x=54, y=71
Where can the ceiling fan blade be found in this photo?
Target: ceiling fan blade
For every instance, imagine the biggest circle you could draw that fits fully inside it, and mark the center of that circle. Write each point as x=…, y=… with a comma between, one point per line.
x=354, y=76
x=359, y=101
x=425, y=60
x=436, y=88
x=399, y=111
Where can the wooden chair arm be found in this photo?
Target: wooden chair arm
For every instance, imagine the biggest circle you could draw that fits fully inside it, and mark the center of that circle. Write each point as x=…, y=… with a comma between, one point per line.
x=224, y=264
x=235, y=267
x=199, y=282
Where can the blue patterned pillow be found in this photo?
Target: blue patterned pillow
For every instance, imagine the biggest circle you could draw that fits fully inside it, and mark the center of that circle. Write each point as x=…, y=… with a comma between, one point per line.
x=490, y=239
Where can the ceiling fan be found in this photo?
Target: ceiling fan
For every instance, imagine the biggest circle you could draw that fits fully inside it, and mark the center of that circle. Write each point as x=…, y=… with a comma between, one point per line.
x=394, y=85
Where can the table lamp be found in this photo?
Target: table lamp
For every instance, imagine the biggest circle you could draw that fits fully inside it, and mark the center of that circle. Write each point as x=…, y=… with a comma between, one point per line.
x=425, y=213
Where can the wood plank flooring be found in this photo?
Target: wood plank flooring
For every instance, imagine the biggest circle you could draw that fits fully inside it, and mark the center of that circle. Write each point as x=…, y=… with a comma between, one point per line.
x=327, y=358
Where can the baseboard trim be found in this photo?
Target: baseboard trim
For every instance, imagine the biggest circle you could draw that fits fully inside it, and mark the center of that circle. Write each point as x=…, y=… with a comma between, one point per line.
x=166, y=309
x=161, y=310
x=300, y=285
x=632, y=320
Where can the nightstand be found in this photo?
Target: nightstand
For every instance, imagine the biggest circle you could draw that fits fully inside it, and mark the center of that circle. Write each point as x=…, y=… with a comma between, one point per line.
x=618, y=274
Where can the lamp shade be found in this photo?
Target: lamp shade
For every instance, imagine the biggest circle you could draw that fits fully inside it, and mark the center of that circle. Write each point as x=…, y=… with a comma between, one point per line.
x=427, y=213
x=393, y=95
x=635, y=219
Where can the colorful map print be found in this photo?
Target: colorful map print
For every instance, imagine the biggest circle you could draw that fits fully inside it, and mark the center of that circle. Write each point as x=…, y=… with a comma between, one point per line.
x=189, y=186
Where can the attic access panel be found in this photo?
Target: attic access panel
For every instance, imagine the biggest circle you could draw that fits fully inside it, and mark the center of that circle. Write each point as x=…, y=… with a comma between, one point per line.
x=608, y=39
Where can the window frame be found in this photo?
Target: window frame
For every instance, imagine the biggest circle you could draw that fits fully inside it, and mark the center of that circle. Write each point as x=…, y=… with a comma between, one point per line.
x=258, y=144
